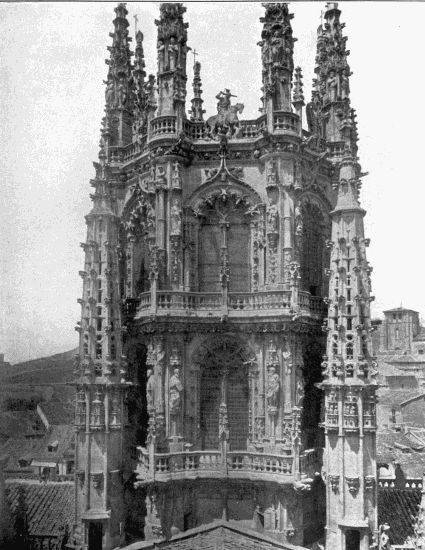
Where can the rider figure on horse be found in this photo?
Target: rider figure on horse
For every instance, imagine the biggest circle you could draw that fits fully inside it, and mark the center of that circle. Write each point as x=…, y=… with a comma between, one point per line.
x=223, y=101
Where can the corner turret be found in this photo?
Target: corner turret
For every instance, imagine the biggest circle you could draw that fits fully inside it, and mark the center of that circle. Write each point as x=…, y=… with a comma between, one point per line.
x=172, y=51
x=116, y=132
x=330, y=114
x=277, y=48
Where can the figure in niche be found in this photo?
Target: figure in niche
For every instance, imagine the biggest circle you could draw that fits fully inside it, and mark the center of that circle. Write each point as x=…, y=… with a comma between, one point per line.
x=150, y=89
x=161, y=55
x=345, y=84
x=272, y=217
x=176, y=218
x=150, y=218
x=273, y=385
x=122, y=93
x=276, y=47
x=149, y=389
x=299, y=390
x=332, y=85
x=173, y=51
x=175, y=391
x=110, y=94
x=299, y=226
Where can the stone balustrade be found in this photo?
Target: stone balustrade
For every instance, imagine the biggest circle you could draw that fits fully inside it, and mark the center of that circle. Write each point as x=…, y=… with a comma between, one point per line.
x=212, y=304
x=163, y=125
x=284, y=122
x=213, y=464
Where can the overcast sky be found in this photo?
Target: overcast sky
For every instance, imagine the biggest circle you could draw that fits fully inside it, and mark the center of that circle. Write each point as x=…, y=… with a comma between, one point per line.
x=52, y=97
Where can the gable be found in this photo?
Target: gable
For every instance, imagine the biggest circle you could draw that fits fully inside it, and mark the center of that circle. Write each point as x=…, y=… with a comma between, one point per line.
x=219, y=535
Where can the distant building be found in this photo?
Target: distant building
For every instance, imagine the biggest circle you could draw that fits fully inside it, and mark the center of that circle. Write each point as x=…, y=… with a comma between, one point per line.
x=399, y=333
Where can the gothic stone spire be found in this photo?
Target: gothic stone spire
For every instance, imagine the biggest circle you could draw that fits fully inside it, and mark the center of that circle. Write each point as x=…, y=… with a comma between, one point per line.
x=349, y=369
x=119, y=84
x=172, y=51
x=331, y=87
x=277, y=48
x=196, y=113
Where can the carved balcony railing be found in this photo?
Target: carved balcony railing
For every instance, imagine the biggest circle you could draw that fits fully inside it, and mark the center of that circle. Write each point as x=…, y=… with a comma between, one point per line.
x=284, y=122
x=195, y=130
x=215, y=304
x=213, y=464
x=135, y=148
x=251, y=128
x=256, y=301
x=311, y=461
x=163, y=125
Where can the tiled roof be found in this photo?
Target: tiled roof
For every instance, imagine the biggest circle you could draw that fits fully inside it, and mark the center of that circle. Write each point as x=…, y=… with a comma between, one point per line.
x=48, y=506
x=13, y=423
x=60, y=436
x=399, y=309
x=387, y=369
x=385, y=441
x=389, y=448
x=398, y=508
x=19, y=448
x=395, y=397
x=417, y=359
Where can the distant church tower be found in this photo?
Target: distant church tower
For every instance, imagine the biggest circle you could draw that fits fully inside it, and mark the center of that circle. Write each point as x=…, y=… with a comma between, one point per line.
x=214, y=248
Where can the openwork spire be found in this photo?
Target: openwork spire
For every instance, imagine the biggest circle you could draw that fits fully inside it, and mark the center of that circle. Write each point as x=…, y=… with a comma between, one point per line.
x=139, y=74
x=172, y=52
x=277, y=48
x=331, y=93
x=196, y=113
x=117, y=84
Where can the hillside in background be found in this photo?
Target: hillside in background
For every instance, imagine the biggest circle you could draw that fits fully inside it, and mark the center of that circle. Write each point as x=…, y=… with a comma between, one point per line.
x=56, y=369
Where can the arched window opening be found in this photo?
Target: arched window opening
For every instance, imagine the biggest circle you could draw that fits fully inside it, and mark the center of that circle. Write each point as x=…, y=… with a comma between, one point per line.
x=224, y=380
x=312, y=253
x=224, y=237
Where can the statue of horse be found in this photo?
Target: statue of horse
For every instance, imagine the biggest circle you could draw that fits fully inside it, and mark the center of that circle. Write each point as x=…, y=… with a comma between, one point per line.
x=229, y=118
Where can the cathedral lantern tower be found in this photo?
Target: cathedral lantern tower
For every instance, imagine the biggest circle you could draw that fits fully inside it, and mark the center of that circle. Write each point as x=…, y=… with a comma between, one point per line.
x=211, y=246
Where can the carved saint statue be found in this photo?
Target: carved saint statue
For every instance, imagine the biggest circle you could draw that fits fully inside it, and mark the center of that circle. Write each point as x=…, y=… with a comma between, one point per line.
x=276, y=48
x=299, y=390
x=173, y=51
x=175, y=392
x=110, y=94
x=150, y=218
x=273, y=385
x=272, y=217
x=150, y=89
x=176, y=218
x=298, y=220
x=332, y=85
x=149, y=389
x=161, y=55
x=345, y=85
x=122, y=93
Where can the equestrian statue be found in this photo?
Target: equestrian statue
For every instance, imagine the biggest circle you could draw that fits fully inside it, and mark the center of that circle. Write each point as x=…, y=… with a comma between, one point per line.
x=227, y=116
